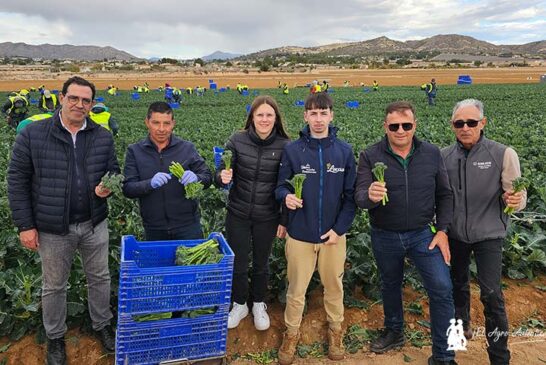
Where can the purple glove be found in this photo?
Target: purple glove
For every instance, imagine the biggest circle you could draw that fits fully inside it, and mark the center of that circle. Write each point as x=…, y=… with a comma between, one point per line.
x=160, y=179
x=188, y=177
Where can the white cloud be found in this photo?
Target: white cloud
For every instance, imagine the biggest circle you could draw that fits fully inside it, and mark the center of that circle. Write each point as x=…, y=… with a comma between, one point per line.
x=172, y=28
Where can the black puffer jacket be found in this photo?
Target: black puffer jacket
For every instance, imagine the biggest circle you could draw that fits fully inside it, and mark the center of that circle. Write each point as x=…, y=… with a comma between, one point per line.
x=255, y=168
x=40, y=170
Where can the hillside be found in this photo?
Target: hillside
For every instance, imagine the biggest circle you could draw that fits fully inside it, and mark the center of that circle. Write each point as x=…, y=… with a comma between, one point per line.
x=61, y=52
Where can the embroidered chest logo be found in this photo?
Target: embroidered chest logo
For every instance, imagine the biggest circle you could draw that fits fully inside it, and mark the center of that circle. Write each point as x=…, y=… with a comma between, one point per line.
x=482, y=165
x=307, y=169
x=333, y=169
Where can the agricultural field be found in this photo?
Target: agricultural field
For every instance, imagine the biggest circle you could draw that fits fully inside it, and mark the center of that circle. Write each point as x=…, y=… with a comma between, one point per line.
x=516, y=117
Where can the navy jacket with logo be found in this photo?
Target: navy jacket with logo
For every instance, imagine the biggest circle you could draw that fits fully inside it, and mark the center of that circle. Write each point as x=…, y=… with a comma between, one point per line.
x=328, y=190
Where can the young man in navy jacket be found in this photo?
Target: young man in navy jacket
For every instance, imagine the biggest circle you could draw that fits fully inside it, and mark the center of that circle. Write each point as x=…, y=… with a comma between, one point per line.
x=318, y=222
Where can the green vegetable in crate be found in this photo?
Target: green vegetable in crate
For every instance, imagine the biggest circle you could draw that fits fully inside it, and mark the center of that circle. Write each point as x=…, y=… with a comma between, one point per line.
x=519, y=184
x=226, y=157
x=197, y=312
x=152, y=317
x=112, y=182
x=193, y=190
x=207, y=252
x=379, y=173
x=297, y=183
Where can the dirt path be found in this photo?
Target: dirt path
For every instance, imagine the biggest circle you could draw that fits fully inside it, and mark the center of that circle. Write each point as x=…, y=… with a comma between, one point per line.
x=16, y=80
x=525, y=300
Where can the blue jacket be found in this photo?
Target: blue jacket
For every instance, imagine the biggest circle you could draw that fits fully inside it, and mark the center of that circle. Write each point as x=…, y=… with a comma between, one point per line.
x=328, y=189
x=166, y=207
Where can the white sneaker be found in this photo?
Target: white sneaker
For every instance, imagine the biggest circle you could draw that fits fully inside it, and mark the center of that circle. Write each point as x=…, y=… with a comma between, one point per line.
x=236, y=314
x=261, y=319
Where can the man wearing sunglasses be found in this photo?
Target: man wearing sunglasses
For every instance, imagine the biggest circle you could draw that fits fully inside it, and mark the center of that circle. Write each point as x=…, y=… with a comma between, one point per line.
x=418, y=193
x=59, y=206
x=480, y=172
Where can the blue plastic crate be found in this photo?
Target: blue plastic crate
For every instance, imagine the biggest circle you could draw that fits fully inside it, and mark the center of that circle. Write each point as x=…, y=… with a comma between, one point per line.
x=171, y=339
x=150, y=282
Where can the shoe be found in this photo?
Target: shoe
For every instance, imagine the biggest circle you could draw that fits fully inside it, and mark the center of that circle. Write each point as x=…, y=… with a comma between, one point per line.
x=433, y=361
x=56, y=352
x=336, y=350
x=236, y=314
x=467, y=331
x=261, y=319
x=107, y=339
x=287, y=351
x=388, y=340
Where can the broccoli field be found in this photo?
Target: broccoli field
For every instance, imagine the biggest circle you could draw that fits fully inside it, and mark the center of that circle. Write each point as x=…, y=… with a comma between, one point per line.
x=516, y=117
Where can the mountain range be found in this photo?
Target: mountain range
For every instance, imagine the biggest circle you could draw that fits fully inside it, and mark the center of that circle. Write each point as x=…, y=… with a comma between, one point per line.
x=443, y=43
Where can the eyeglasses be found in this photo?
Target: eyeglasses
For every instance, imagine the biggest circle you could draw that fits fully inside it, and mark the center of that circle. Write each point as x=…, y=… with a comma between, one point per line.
x=405, y=126
x=471, y=123
x=73, y=100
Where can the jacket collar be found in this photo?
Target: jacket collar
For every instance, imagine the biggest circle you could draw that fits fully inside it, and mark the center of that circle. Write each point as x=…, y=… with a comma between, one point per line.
x=174, y=140
x=385, y=143
x=261, y=142
x=305, y=135
x=480, y=141
x=60, y=132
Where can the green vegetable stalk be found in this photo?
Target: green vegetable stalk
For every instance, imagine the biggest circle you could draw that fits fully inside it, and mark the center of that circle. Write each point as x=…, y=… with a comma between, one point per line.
x=379, y=173
x=519, y=184
x=193, y=190
x=207, y=252
x=112, y=182
x=226, y=157
x=152, y=317
x=297, y=183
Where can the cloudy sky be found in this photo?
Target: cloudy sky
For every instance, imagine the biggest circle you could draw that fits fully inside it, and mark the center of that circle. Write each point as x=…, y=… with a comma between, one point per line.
x=189, y=29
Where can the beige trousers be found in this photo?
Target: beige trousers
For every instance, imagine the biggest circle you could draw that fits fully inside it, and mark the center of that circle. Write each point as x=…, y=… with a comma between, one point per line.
x=302, y=259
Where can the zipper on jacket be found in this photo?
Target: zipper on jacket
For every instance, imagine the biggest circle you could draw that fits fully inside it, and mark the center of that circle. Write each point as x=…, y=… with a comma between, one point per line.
x=466, y=200
x=163, y=192
x=459, y=170
x=321, y=181
x=407, y=196
x=255, y=182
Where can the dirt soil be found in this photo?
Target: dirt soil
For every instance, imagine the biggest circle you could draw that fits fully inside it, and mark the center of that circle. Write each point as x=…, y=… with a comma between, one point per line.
x=524, y=300
x=16, y=80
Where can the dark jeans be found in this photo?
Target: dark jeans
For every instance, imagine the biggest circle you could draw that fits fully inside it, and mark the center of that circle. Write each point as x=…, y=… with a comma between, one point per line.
x=390, y=249
x=488, y=255
x=191, y=232
x=243, y=236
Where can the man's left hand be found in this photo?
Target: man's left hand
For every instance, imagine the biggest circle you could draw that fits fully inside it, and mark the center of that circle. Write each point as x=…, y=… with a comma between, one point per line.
x=331, y=238
x=440, y=240
x=188, y=177
x=101, y=191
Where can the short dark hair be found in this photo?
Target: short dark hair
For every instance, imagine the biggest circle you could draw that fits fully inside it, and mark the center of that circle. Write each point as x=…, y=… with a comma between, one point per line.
x=399, y=107
x=159, y=107
x=320, y=100
x=78, y=81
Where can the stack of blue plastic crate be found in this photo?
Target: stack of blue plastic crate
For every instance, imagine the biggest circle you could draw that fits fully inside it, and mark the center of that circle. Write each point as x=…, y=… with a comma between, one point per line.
x=150, y=282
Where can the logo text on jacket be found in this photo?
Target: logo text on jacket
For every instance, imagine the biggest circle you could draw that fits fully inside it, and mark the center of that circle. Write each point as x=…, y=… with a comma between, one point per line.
x=482, y=165
x=333, y=169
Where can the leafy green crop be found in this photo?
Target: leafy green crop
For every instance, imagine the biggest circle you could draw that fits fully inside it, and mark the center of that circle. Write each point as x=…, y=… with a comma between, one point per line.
x=207, y=252
x=519, y=184
x=297, y=183
x=112, y=182
x=226, y=157
x=379, y=173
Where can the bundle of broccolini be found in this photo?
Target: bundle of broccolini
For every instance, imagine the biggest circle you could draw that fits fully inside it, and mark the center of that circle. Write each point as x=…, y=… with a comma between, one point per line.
x=519, y=184
x=297, y=183
x=193, y=190
x=112, y=182
x=227, y=155
x=379, y=173
x=207, y=252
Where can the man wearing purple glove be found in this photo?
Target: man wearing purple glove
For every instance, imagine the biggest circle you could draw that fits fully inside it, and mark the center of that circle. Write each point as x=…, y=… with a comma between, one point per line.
x=166, y=212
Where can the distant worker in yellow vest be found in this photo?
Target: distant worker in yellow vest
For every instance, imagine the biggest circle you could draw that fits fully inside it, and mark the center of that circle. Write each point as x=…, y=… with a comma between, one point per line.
x=285, y=90
x=48, y=102
x=325, y=86
x=15, y=109
x=316, y=88
x=101, y=115
x=31, y=119
x=112, y=90
x=189, y=90
x=375, y=86
x=25, y=93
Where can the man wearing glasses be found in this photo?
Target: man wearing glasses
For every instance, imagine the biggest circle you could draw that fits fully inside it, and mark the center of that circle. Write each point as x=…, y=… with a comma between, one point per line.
x=59, y=207
x=418, y=193
x=480, y=172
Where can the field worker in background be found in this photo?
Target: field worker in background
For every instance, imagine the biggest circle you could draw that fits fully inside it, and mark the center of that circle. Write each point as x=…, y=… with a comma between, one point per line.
x=375, y=85
x=189, y=90
x=166, y=212
x=315, y=88
x=15, y=109
x=430, y=89
x=177, y=95
x=418, y=191
x=101, y=115
x=318, y=222
x=481, y=172
x=285, y=89
x=33, y=118
x=325, y=86
x=48, y=102
x=112, y=90
x=59, y=206
x=200, y=91
x=25, y=93
x=253, y=218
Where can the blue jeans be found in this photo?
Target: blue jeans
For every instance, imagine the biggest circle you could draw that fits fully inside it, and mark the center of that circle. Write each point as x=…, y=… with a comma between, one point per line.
x=390, y=249
x=57, y=253
x=191, y=232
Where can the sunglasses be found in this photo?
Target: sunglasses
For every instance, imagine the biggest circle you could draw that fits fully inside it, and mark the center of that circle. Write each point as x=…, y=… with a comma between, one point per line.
x=471, y=123
x=73, y=100
x=405, y=126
